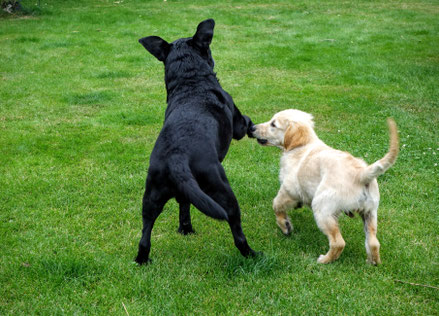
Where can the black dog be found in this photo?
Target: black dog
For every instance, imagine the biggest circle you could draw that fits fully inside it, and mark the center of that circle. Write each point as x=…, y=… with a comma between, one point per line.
x=200, y=121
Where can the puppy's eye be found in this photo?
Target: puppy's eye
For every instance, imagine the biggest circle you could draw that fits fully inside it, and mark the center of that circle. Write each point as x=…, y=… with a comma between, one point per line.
x=272, y=124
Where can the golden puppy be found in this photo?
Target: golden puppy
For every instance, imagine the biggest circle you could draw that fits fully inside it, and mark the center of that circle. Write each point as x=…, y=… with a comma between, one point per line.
x=329, y=180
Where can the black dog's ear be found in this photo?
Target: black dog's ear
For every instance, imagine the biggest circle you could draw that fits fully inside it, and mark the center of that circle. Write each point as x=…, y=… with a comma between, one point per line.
x=156, y=46
x=204, y=34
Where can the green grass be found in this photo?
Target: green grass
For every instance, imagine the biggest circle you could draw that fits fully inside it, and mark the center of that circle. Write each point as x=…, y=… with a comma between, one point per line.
x=81, y=104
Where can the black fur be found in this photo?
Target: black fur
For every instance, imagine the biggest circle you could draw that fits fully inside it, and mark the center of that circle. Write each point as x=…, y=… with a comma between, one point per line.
x=200, y=121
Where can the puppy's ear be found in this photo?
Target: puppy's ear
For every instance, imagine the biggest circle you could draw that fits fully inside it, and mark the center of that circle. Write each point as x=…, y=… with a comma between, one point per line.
x=204, y=34
x=295, y=136
x=156, y=46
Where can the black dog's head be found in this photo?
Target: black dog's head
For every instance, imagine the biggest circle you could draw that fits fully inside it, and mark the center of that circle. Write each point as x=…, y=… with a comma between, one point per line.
x=242, y=125
x=185, y=56
x=189, y=58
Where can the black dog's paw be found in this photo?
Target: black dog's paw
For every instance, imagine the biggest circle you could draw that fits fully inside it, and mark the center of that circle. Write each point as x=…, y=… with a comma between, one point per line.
x=257, y=254
x=254, y=254
x=142, y=260
x=186, y=230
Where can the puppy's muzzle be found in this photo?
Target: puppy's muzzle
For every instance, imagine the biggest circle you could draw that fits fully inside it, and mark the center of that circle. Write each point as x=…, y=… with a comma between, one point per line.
x=252, y=130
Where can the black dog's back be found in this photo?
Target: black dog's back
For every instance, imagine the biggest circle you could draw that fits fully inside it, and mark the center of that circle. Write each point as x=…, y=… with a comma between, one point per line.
x=200, y=122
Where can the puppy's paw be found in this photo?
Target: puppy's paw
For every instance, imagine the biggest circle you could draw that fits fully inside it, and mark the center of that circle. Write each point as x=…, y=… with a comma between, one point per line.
x=373, y=261
x=373, y=252
x=323, y=259
x=289, y=227
x=285, y=226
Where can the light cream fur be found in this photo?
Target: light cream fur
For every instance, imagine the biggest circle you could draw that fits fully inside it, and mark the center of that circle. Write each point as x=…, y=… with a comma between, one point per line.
x=329, y=180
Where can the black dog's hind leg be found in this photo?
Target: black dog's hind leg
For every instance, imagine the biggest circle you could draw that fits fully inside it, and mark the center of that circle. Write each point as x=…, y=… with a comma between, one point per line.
x=239, y=237
x=153, y=203
x=185, y=218
x=225, y=197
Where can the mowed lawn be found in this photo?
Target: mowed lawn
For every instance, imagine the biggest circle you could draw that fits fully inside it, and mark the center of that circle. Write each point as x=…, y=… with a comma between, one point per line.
x=82, y=102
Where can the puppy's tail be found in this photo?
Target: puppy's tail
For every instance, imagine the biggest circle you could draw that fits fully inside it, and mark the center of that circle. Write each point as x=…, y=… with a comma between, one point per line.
x=379, y=167
x=188, y=185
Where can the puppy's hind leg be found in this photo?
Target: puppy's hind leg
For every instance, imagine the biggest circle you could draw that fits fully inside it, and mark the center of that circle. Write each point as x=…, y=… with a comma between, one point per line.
x=185, y=226
x=281, y=203
x=328, y=224
x=372, y=243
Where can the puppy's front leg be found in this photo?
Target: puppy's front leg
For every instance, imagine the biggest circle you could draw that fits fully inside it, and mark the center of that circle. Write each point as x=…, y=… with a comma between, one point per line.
x=281, y=203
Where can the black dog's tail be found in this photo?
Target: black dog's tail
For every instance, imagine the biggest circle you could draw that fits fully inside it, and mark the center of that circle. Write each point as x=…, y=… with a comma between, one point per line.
x=188, y=185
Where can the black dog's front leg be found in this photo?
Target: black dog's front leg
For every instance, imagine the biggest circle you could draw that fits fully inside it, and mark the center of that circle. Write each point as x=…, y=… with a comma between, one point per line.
x=185, y=227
